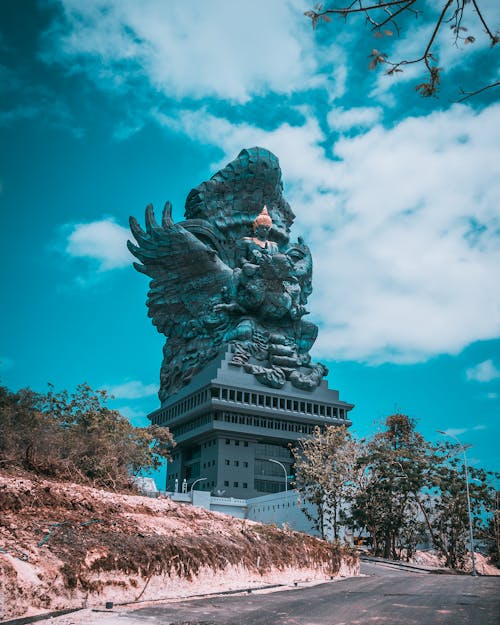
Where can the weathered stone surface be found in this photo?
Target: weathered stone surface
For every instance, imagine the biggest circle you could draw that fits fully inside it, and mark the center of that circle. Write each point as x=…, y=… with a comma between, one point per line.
x=229, y=274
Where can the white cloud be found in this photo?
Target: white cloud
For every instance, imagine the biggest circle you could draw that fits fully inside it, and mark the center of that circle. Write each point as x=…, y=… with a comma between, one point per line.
x=357, y=117
x=483, y=372
x=104, y=241
x=455, y=431
x=133, y=389
x=403, y=224
x=229, y=50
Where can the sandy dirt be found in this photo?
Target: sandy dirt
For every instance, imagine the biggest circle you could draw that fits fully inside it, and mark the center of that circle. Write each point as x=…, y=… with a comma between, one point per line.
x=432, y=560
x=64, y=545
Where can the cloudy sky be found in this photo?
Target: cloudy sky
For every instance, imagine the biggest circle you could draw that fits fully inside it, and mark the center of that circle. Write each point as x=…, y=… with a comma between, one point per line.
x=108, y=105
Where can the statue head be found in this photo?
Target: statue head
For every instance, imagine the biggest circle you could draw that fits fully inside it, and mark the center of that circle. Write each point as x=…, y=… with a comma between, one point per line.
x=263, y=219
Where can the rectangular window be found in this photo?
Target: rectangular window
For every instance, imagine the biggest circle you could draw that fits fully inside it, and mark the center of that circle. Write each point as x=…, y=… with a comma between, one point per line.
x=245, y=444
x=228, y=441
x=226, y=483
x=239, y=396
x=231, y=395
x=236, y=443
x=236, y=463
x=245, y=485
x=245, y=464
x=227, y=461
x=235, y=484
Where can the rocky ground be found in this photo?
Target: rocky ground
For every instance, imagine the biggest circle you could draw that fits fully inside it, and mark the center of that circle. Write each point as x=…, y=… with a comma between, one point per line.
x=65, y=545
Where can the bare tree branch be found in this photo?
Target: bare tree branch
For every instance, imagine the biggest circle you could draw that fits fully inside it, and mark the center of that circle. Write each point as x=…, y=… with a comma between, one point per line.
x=394, y=9
x=470, y=94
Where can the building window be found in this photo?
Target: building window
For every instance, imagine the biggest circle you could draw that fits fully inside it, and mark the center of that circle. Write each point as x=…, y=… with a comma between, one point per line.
x=245, y=485
x=245, y=444
x=245, y=464
x=235, y=484
x=227, y=461
x=228, y=441
x=236, y=442
x=226, y=483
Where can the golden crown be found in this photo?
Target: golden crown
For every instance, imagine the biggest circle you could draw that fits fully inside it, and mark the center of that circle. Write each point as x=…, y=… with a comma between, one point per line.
x=263, y=219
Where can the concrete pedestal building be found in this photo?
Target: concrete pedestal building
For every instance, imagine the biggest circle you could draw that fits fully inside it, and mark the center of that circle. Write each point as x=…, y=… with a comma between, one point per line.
x=227, y=427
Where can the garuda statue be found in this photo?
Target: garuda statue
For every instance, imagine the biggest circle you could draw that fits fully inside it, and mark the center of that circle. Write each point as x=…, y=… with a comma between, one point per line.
x=228, y=275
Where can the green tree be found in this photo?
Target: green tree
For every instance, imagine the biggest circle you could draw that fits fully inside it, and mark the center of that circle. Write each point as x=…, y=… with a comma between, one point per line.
x=325, y=475
x=448, y=509
x=396, y=464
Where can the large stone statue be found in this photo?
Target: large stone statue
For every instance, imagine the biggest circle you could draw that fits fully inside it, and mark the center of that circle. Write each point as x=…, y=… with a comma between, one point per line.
x=229, y=275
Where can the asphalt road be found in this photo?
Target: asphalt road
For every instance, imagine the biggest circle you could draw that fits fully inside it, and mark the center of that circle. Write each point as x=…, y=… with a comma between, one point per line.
x=383, y=597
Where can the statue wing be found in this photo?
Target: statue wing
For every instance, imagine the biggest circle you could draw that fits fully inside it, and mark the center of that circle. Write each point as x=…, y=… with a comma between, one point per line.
x=187, y=277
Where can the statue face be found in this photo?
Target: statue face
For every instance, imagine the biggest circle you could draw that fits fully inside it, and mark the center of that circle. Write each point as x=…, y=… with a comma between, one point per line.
x=262, y=231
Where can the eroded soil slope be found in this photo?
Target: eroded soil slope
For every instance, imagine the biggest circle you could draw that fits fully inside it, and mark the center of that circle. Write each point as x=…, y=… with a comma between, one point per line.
x=66, y=545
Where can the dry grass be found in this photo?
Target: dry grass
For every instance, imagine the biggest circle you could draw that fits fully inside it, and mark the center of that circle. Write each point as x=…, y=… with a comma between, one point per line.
x=64, y=542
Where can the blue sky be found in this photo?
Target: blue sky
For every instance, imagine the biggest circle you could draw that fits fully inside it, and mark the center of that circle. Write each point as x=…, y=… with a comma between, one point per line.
x=108, y=105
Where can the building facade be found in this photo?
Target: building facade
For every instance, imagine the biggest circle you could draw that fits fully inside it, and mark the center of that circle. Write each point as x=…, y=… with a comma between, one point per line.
x=233, y=434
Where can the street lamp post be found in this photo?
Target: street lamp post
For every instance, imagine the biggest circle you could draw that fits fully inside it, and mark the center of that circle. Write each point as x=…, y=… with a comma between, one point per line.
x=200, y=479
x=284, y=469
x=466, y=471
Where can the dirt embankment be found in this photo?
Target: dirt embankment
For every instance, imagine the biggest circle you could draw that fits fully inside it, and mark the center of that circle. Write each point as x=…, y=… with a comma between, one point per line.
x=66, y=545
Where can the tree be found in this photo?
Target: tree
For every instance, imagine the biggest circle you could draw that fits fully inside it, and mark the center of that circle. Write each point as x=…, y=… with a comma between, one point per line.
x=325, y=474
x=448, y=509
x=76, y=436
x=386, y=17
x=491, y=534
x=396, y=463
